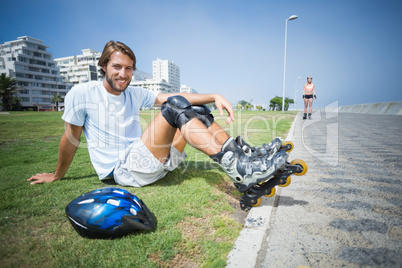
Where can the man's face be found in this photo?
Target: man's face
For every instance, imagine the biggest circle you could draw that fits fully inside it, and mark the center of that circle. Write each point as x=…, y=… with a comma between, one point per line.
x=118, y=73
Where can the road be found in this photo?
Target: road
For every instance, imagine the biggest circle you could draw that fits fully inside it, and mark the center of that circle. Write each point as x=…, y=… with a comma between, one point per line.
x=347, y=210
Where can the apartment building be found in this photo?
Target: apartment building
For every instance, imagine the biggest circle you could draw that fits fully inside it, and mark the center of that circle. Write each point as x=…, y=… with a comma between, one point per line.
x=80, y=68
x=184, y=88
x=167, y=70
x=38, y=77
x=156, y=86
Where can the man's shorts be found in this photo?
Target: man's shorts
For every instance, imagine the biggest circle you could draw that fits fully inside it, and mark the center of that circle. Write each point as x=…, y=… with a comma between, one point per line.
x=141, y=168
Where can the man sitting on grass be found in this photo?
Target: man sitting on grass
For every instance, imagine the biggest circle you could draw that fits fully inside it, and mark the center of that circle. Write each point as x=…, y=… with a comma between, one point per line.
x=108, y=113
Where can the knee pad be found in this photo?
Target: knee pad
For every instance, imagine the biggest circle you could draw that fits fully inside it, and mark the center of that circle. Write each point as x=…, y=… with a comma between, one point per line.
x=177, y=111
x=204, y=114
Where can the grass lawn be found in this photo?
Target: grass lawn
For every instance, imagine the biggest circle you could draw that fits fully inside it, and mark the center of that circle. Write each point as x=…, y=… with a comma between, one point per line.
x=196, y=205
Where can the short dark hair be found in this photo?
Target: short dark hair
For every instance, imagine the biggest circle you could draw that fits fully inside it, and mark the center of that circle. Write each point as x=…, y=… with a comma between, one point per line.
x=112, y=47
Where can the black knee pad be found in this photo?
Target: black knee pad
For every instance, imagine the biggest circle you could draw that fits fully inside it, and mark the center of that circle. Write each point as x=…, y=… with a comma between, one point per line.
x=177, y=111
x=204, y=114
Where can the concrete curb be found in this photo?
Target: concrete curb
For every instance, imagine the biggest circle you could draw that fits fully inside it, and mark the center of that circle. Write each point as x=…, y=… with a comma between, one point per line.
x=248, y=244
x=380, y=108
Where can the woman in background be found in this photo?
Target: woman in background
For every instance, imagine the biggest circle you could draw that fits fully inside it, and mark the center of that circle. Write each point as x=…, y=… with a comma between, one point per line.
x=308, y=94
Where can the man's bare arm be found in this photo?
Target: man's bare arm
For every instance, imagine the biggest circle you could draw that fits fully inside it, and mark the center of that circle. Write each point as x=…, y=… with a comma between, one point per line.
x=68, y=146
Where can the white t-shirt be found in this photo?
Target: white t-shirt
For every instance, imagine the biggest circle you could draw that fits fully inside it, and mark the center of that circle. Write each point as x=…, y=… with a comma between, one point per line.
x=110, y=123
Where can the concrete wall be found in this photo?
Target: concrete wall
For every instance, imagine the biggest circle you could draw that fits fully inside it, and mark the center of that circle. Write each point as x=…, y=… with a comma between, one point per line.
x=388, y=108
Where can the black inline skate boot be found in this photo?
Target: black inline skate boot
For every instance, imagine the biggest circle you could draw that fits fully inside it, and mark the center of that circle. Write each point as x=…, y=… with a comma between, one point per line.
x=252, y=197
x=309, y=116
x=304, y=116
x=246, y=171
x=266, y=149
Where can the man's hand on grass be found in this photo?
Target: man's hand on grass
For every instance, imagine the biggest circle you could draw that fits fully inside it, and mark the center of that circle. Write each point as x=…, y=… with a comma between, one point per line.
x=42, y=178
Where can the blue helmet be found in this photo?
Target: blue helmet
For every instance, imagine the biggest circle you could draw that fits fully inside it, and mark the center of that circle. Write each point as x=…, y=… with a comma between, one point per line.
x=108, y=213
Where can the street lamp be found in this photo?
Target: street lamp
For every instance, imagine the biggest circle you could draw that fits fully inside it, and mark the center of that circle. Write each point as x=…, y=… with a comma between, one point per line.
x=296, y=88
x=293, y=17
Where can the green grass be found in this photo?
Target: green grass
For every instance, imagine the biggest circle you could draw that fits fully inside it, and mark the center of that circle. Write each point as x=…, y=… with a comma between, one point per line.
x=194, y=204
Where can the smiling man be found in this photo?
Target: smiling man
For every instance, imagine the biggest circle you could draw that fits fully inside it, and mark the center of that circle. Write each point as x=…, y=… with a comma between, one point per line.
x=108, y=113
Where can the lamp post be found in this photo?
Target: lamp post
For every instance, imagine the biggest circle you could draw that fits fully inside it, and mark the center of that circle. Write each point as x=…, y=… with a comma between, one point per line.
x=296, y=88
x=293, y=17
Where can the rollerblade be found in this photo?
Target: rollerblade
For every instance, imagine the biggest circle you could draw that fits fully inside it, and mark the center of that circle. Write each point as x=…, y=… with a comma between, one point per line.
x=266, y=149
x=304, y=116
x=309, y=116
x=247, y=171
x=252, y=197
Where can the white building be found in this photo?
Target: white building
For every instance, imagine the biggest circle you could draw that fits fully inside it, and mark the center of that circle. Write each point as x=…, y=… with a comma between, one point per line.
x=37, y=75
x=187, y=89
x=156, y=86
x=168, y=71
x=81, y=68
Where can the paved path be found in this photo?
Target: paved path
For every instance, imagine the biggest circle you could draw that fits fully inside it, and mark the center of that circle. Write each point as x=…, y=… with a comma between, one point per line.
x=346, y=211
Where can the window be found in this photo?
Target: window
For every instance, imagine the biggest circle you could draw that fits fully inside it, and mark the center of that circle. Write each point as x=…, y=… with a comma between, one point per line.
x=22, y=59
x=23, y=91
x=49, y=79
x=26, y=52
x=23, y=84
x=19, y=67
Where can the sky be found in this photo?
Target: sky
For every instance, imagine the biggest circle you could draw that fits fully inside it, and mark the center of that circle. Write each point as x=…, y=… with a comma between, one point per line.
x=351, y=48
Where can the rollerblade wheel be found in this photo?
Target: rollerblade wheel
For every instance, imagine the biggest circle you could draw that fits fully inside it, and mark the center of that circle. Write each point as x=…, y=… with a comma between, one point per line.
x=288, y=146
x=259, y=201
x=302, y=164
x=273, y=191
x=286, y=184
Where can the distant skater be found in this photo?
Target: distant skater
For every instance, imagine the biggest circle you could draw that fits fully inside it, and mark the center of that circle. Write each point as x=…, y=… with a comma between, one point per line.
x=308, y=94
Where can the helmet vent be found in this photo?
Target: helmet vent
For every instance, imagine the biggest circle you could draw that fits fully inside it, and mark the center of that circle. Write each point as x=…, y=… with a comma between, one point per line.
x=113, y=202
x=86, y=201
x=133, y=211
x=118, y=192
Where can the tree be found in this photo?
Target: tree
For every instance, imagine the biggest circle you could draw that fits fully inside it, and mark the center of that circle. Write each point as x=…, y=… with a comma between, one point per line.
x=259, y=107
x=16, y=104
x=8, y=86
x=211, y=106
x=288, y=101
x=243, y=103
x=248, y=106
x=56, y=99
x=276, y=103
x=239, y=106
